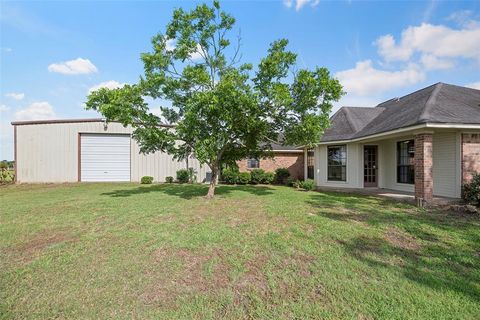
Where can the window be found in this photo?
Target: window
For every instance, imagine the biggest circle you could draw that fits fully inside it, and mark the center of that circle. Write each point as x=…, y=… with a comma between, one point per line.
x=405, y=162
x=310, y=164
x=253, y=163
x=337, y=163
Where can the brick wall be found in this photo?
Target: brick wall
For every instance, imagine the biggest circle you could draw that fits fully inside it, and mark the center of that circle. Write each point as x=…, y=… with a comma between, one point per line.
x=424, y=166
x=292, y=161
x=470, y=155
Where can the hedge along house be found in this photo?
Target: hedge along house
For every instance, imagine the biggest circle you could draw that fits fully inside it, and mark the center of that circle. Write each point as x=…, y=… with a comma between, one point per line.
x=89, y=150
x=426, y=143
x=289, y=157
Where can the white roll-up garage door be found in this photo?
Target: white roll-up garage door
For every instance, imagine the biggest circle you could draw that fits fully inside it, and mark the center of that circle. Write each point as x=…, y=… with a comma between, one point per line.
x=105, y=157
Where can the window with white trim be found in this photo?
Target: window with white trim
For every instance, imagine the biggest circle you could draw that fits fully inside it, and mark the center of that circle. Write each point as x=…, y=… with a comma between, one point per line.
x=337, y=163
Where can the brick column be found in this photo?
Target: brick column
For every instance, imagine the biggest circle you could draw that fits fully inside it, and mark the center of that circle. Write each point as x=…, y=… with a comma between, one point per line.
x=470, y=156
x=423, y=168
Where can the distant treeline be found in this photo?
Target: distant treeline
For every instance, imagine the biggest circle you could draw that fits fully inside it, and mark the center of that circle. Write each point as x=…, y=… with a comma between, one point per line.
x=7, y=164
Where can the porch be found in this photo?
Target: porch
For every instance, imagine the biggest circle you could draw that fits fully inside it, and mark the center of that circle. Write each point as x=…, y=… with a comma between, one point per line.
x=404, y=196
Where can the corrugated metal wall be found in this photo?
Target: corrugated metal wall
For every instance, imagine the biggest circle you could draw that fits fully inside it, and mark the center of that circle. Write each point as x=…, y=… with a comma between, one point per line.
x=49, y=153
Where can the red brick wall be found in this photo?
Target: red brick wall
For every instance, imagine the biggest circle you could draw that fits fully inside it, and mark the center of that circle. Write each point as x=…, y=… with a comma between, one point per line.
x=424, y=166
x=470, y=155
x=292, y=161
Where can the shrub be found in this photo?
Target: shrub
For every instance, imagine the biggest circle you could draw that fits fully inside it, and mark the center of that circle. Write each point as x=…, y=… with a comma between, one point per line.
x=183, y=175
x=308, y=184
x=192, y=175
x=146, y=180
x=471, y=191
x=291, y=181
x=282, y=175
x=268, y=177
x=257, y=176
x=296, y=184
x=243, y=178
x=230, y=175
x=169, y=179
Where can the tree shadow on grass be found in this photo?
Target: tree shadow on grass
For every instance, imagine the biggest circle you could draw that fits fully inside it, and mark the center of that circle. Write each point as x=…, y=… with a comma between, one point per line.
x=442, y=251
x=189, y=191
x=436, y=266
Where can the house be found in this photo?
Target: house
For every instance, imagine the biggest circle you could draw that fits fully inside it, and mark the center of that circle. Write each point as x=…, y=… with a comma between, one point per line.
x=289, y=157
x=91, y=150
x=427, y=143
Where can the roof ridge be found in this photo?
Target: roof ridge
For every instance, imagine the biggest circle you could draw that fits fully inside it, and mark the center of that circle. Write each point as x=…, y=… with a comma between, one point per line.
x=409, y=94
x=430, y=102
x=350, y=120
x=342, y=110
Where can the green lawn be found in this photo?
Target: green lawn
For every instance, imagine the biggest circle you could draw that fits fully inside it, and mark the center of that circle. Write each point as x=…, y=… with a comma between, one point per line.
x=163, y=251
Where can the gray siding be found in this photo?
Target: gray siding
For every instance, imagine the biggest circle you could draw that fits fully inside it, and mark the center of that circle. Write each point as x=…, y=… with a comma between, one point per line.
x=446, y=179
x=49, y=153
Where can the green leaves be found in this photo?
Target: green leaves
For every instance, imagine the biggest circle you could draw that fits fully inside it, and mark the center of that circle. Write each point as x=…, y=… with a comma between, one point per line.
x=223, y=111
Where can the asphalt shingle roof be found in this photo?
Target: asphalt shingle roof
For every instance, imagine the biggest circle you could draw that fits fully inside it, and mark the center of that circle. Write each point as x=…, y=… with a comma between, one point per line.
x=439, y=103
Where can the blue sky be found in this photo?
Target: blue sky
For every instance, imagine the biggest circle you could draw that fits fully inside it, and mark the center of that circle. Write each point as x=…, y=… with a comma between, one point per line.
x=53, y=53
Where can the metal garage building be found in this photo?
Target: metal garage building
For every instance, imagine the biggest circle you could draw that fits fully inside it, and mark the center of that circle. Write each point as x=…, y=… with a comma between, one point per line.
x=89, y=150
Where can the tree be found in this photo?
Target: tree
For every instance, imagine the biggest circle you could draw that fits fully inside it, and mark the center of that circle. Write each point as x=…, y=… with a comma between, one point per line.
x=223, y=110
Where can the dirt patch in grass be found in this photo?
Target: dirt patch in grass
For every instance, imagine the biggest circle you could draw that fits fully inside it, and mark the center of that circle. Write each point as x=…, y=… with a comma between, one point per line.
x=185, y=272
x=32, y=248
x=401, y=239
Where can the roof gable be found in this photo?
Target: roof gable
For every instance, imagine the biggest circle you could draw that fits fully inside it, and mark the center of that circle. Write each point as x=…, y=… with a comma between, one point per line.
x=439, y=103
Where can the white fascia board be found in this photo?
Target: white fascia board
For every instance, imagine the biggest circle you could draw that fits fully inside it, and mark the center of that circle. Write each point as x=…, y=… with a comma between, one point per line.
x=401, y=130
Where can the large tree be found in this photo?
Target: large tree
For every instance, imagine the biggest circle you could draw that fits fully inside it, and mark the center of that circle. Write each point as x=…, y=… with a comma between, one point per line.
x=223, y=110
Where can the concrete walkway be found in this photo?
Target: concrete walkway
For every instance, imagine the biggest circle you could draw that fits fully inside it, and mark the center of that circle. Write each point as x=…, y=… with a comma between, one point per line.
x=391, y=194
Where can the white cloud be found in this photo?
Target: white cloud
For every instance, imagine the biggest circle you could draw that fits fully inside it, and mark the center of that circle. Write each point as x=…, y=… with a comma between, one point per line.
x=77, y=66
x=36, y=111
x=6, y=49
x=299, y=4
x=197, y=55
x=112, y=84
x=4, y=108
x=437, y=40
x=16, y=96
x=431, y=62
x=427, y=13
x=464, y=18
x=474, y=85
x=364, y=79
x=390, y=51
x=170, y=44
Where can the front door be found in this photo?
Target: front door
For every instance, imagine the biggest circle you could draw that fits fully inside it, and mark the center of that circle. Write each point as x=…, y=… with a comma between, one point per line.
x=370, y=160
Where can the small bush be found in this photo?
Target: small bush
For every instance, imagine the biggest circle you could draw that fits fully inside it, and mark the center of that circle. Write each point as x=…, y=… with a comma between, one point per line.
x=296, y=184
x=183, y=176
x=230, y=175
x=268, y=177
x=290, y=181
x=308, y=184
x=257, y=176
x=169, y=179
x=471, y=191
x=192, y=175
x=146, y=180
x=282, y=175
x=243, y=178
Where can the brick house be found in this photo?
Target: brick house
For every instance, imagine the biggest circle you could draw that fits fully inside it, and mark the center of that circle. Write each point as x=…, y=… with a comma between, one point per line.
x=289, y=157
x=427, y=143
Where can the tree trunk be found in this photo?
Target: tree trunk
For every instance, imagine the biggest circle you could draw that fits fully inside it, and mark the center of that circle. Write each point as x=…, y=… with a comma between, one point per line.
x=213, y=182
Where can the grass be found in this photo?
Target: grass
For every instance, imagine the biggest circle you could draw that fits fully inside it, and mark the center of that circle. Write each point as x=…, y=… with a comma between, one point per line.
x=163, y=251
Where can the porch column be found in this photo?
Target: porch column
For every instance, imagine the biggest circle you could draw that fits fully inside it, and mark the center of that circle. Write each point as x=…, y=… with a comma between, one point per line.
x=423, y=168
x=305, y=164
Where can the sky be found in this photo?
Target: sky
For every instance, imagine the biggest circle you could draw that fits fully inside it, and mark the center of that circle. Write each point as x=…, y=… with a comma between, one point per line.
x=52, y=54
